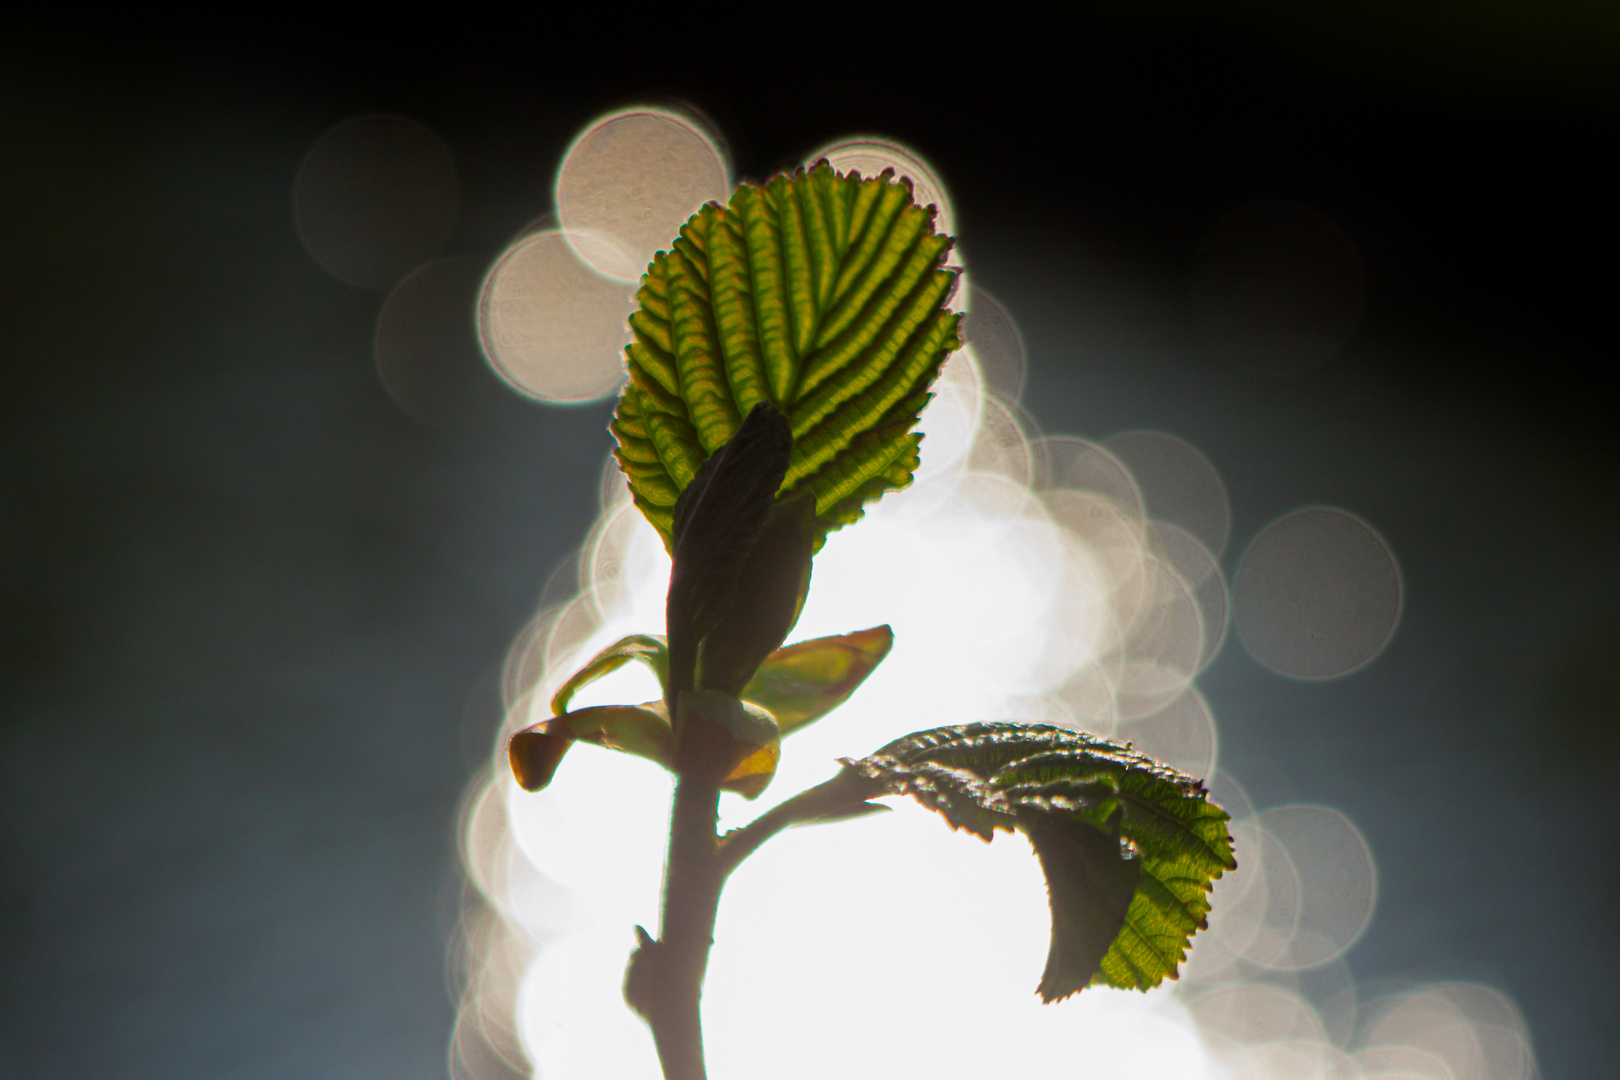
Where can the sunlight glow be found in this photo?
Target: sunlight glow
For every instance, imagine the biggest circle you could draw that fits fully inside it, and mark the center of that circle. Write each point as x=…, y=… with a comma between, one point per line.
x=1037, y=578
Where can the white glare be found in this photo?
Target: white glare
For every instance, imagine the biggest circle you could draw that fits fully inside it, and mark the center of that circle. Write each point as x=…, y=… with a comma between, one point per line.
x=1023, y=579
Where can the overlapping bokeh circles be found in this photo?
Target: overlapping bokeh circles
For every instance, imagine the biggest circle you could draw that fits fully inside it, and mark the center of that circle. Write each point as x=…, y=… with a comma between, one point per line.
x=553, y=309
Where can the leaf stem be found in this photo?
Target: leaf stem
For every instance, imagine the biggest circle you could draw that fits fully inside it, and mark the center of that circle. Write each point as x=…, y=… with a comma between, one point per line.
x=841, y=794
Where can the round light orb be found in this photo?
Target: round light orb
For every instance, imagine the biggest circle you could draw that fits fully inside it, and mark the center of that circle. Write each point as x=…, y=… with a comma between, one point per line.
x=426, y=344
x=992, y=333
x=629, y=182
x=1001, y=444
x=550, y=326
x=1182, y=735
x=1337, y=881
x=374, y=198
x=1317, y=595
x=1199, y=569
x=1178, y=484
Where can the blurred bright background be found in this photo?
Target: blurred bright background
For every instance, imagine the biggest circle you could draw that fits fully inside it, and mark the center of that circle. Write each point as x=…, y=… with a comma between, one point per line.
x=1284, y=363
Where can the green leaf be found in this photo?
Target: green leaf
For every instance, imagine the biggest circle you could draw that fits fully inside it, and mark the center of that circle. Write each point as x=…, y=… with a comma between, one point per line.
x=964, y=800
x=535, y=752
x=1090, y=884
x=820, y=293
x=650, y=649
x=745, y=743
x=1184, y=845
x=1101, y=817
x=806, y=680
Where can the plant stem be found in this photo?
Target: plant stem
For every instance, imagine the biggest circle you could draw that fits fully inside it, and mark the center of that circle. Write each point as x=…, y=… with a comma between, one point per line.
x=665, y=980
x=841, y=794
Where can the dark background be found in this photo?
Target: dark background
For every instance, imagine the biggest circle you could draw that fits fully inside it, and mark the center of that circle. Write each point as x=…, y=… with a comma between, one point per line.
x=251, y=613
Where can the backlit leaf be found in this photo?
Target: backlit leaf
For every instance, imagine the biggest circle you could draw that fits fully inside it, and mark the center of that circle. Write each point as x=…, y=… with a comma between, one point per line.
x=820, y=293
x=1101, y=816
x=804, y=681
x=535, y=752
x=650, y=649
x=964, y=800
x=1090, y=886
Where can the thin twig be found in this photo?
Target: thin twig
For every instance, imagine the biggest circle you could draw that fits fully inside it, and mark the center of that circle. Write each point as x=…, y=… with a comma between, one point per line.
x=843, y=793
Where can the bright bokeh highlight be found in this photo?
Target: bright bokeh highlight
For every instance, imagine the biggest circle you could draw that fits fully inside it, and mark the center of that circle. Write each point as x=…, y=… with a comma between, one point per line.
x=629, y=182
x=551, y=327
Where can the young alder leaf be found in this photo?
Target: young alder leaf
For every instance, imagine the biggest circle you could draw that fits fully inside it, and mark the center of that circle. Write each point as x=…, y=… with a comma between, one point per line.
x=802, y=682
x=1090, y=886
x=650, y=649
x=1180, y=835
x=820, y=293
x=961, y=798
x=535, y=752
x=795, y=685
x=747, y=748
x=1130, y=848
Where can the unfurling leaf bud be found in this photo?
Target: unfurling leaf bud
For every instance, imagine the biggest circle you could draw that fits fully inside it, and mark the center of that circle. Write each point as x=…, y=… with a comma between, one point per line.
x=718, y=520
x=733, y=743
x=770, y=592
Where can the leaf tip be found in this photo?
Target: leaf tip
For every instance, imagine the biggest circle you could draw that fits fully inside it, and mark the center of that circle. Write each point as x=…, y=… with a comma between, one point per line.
x=534, y=755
